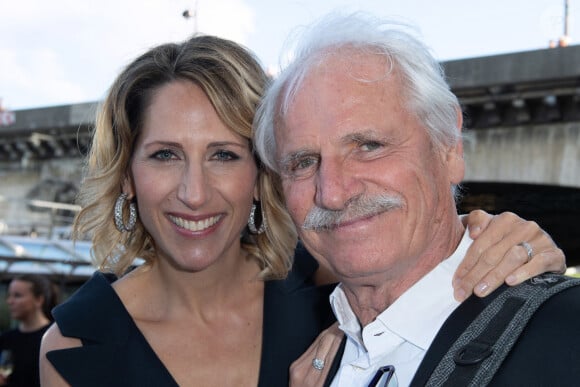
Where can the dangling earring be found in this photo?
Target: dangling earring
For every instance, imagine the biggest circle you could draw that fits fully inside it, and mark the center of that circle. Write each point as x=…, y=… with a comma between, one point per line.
x=252, y=221
x=119, y=223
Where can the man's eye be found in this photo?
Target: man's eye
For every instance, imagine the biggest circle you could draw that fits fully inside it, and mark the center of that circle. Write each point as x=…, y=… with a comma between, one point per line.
x=369, y=146
x=302, y=164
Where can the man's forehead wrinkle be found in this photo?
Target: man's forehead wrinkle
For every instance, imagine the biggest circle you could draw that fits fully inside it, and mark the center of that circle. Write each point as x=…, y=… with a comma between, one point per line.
x=355, y=63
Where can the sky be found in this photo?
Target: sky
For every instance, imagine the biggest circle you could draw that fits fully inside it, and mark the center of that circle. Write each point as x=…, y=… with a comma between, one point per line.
x=57, y=52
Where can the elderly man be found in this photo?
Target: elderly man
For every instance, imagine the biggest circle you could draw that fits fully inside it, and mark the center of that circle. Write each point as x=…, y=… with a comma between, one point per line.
x=366, y=137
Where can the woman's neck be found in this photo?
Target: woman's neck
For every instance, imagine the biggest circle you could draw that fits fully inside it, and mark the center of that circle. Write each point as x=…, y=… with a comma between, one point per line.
x=34, y=322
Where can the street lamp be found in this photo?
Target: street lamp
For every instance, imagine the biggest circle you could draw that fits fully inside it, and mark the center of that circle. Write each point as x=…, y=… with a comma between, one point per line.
x=187, y=14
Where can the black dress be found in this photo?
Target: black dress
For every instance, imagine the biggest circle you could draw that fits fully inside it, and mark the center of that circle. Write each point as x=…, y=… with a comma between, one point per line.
x=115, y=353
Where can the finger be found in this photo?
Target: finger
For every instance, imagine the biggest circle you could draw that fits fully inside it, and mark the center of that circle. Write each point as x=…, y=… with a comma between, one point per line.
x=476, y=221
x=552, y=260
x=327, y=347
x=493, y=233
x=302, y=371
x=499, y=259
x=516, y=256
x=481, y=256
x=515, y=266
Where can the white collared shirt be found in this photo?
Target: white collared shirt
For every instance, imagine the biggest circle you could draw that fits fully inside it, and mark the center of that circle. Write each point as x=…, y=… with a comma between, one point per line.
x=401, y=334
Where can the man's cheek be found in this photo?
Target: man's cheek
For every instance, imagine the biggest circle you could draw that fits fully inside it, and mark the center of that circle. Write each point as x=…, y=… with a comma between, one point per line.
x=296, y=214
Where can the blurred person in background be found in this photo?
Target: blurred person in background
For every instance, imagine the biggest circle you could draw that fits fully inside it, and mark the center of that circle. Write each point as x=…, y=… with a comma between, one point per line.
x=30, y=299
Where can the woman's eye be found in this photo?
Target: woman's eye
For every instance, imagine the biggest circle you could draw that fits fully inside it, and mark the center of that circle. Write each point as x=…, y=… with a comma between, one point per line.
x=164, y=154
x=224, y=155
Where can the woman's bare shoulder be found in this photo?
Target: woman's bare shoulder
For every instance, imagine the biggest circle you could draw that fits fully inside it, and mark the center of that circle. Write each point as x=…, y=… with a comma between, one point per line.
x=53, y=339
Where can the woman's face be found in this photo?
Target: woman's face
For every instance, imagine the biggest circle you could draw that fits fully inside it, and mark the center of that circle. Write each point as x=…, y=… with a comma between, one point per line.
x=194, y=180
x=21, y=300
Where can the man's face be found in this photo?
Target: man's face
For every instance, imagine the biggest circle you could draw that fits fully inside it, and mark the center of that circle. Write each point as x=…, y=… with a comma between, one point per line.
x=347, y=140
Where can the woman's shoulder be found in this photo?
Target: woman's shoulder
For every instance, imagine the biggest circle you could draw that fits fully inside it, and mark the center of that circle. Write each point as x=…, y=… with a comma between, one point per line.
x=95, y=289
x=53, y=339
x=93, y=331
x=92, y=305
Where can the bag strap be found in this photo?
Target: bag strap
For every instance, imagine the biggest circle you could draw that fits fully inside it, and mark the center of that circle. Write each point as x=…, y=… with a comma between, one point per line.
x=478, y=353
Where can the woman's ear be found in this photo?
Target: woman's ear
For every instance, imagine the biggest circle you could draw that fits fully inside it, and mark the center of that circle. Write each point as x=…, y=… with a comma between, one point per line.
x=40, y=301
x=259, y=181
x=128, y=187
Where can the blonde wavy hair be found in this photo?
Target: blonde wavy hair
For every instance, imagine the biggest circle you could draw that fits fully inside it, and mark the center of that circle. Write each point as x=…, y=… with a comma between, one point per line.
x=234, y=82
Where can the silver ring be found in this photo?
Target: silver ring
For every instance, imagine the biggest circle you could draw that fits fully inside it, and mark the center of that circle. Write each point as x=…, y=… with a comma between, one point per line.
x=528, y=248
x=318, y=364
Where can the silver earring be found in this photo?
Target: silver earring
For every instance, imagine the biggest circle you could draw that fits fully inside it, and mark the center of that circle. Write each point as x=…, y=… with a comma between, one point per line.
x=252, y=221
x=119, y=223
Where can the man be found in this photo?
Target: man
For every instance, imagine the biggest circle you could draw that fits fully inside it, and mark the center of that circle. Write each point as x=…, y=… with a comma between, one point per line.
x=366, y=137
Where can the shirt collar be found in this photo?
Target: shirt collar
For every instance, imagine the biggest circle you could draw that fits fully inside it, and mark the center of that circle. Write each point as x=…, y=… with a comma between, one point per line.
x=414, y=317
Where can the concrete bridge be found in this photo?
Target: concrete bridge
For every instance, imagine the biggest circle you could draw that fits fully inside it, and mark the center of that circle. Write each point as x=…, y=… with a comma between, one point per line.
x=539, y=154
x=522, y=113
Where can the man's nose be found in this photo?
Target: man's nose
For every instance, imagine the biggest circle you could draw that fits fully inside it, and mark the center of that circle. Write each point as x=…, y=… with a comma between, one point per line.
x=335, y=185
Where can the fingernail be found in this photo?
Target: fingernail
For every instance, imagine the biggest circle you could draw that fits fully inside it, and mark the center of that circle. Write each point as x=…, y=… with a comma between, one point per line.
x=481, y=289
x=475, y=229
x=511, y=279
x=460, y=294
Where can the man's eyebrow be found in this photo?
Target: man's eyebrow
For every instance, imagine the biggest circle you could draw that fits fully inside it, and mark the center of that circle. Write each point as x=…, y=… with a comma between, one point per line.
x=361, y=136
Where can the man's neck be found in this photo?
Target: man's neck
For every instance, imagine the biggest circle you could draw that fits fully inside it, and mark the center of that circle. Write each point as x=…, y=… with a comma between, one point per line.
x=370, y=298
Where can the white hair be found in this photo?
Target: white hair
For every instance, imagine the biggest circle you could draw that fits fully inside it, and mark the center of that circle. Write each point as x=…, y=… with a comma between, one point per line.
x=427, y=94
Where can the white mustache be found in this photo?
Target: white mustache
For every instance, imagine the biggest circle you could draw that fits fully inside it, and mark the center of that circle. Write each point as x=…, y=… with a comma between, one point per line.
x=320, y=219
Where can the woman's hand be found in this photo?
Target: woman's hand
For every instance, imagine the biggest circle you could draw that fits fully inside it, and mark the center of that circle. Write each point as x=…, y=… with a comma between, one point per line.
x=497, y=255
x=302, y=371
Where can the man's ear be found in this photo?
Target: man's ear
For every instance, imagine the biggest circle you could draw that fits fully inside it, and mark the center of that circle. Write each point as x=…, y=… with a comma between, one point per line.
x=454, y=157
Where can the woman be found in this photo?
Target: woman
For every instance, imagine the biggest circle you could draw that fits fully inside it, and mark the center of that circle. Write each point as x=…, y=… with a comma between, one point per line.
x=211, y=304
x=30, y=299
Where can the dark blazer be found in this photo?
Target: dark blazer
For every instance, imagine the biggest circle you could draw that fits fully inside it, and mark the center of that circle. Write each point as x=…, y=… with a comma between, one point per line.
x=546, y=354
x=115, y=353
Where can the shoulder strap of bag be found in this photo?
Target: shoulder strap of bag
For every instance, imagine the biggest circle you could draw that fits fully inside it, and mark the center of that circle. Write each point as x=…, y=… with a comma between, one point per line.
x=477, y=354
